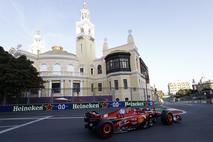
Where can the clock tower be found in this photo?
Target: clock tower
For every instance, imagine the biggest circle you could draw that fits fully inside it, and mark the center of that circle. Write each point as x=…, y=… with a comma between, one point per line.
x=85, y=38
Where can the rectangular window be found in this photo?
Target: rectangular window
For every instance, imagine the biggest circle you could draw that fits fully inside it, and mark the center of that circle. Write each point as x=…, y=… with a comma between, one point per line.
x=125, y=83
x=116, y=84
x=91, y=71
x=99, y=86
x=92, y=87
x=56, y=87
x=124, y=63
x=116, y=64
x=76, y=87
x=81, y=70
x=111, y=64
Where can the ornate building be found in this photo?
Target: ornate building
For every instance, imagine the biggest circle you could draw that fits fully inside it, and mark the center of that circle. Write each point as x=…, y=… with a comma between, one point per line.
x=65, y=74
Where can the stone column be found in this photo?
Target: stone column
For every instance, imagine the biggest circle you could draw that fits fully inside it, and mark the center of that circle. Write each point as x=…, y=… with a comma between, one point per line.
x=62, y=87
x=81, y=87
x=71, y=88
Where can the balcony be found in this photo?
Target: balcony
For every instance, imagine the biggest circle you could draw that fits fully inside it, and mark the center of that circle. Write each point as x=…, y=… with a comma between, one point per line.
x=61, y=73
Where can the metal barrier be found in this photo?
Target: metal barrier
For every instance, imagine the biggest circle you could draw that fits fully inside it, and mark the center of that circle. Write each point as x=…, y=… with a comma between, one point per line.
x=203, y=97
x=75, y=106
x=74, y=95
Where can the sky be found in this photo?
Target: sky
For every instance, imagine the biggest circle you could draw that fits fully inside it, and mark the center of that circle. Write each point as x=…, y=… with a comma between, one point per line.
x=174, y=37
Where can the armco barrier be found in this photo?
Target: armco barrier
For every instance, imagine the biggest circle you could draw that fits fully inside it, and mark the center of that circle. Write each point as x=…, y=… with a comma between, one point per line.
x=72, y=106
x=207, y=101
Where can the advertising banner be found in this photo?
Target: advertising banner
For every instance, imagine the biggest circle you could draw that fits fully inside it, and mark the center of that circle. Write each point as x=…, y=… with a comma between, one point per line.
x=24, y=108
x=135, y=103
x=85, y=105
x=6, y=108
x=70, y=106
x=114, y=104
x=57, y=107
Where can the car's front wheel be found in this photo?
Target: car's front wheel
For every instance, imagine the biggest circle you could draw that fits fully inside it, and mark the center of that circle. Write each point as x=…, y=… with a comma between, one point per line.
x=167, y=118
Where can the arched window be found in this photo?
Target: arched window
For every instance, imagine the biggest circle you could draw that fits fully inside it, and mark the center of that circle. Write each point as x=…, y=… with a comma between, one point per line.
x=43, y=67
x=56, y=69
x=70, y=68
x=99, y=69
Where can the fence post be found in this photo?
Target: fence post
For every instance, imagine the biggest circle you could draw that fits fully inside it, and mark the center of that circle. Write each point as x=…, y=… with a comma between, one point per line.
x=93, y=94
x=39, y=92
x=52, y=91
x=131, y=93
x=28, y=99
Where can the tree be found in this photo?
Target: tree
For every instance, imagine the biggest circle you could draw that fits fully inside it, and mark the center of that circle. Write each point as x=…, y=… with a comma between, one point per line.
x=16, y=76
x=183, y=93
x=161, y=94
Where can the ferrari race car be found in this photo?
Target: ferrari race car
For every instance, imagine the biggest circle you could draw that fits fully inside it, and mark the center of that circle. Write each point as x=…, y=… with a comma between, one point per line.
x=127, y=119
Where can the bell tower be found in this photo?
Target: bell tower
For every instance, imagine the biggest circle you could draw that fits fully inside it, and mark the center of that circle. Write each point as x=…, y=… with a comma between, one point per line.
x=85, y=37
x=38, y=45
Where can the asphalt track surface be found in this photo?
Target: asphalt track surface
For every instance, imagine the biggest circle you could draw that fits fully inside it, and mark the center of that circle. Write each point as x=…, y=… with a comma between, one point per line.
x=64, y=126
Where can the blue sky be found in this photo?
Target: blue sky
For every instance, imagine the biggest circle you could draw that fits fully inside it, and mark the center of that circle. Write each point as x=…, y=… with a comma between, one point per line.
x=174, y=37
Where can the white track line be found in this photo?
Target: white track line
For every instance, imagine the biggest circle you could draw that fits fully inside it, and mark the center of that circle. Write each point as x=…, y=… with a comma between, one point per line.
x=8, y=126
x=20, y=118
x=33, y=118
x=22, y=125
x=53, y=118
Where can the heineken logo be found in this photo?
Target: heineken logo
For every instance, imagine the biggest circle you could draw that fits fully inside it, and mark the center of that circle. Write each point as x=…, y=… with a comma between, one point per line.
x=28, y=108
x=138, y=103
x=86, y=105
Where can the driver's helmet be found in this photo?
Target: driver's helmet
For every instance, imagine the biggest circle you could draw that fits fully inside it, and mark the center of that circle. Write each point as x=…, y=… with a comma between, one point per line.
x=122, y=111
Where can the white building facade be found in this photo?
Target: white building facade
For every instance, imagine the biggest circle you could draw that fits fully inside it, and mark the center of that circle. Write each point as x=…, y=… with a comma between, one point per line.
x=174, y=87
x=120, y=72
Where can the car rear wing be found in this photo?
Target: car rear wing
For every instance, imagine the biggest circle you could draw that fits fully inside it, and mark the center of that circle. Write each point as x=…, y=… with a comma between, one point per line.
x=92, y=116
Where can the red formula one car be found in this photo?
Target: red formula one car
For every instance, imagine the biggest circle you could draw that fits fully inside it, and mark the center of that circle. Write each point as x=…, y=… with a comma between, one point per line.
x=128, y=119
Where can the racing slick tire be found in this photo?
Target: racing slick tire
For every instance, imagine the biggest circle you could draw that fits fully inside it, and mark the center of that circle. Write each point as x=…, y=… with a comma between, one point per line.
x=149, y=122
x=104, y=128
x=166, y=117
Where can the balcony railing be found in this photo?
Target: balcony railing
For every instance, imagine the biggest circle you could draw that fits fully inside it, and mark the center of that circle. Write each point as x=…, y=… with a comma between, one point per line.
x=61, y=73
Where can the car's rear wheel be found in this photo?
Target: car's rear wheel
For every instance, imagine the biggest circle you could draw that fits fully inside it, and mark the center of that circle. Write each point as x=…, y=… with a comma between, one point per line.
x=167, y=118
x=104, y=128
